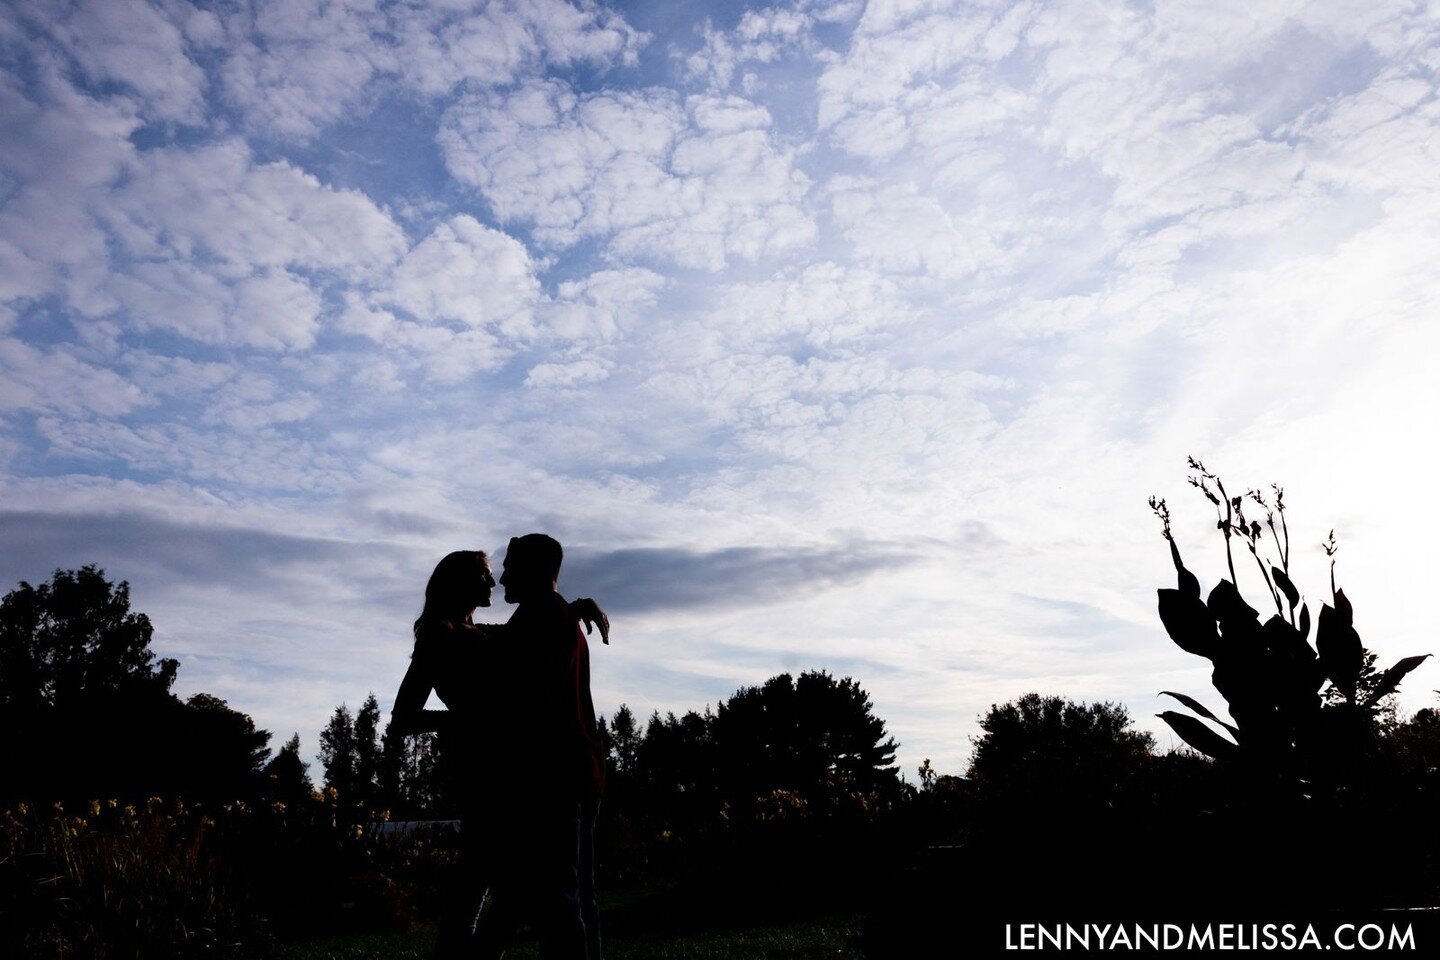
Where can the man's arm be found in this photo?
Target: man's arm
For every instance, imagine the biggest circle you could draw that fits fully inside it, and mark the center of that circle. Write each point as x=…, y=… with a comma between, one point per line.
x=586, y=610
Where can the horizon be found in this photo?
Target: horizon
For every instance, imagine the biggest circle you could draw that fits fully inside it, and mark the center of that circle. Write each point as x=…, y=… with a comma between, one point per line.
x=834, y=336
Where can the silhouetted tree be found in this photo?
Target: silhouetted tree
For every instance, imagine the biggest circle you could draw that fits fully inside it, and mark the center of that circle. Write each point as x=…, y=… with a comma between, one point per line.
x=221, y=748
x=927, y=775
x=339, y=755
x=77, y=676
x=1415, y=745
x=625, y=740
x=675, y=767
x=72, y=639
x=411, y=781
x=367, y=751
x=287, y=776
x=814, y=735
x=430, y=788
x=406, y=775
x=390, y=779
x=1049, y=751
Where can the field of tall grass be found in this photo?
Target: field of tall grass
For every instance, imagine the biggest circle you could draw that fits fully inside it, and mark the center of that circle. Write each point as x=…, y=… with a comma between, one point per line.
x=165, y=878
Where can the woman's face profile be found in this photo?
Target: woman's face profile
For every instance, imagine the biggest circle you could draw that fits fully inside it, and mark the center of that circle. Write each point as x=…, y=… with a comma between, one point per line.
x=485, y=586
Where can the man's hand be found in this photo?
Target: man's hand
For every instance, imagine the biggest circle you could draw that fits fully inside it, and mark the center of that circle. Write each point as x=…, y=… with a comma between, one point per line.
x=588, y=612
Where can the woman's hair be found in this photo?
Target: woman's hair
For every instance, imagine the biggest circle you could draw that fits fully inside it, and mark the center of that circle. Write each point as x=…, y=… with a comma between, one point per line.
x=454, y=578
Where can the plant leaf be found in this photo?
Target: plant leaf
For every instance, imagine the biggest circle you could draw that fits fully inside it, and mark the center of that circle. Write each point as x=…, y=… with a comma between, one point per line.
x=1199, y=736
x=1200, y=708
x=1285, y=641
x=1305, y=621
x=1343, y=608
x=1228, y=607
x=1392, y=677
x=1188, y=623
x=1286, y=586
x=1187, y=582
x=1342, y=655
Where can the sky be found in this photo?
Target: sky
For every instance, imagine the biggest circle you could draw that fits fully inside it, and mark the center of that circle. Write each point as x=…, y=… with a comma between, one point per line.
x=845, y=336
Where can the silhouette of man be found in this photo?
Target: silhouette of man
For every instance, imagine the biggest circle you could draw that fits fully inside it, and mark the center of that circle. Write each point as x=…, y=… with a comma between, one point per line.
x=474, y=669
x=546, y=862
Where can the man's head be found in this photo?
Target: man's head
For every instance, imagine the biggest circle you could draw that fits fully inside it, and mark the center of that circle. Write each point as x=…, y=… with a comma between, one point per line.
x=531, y=567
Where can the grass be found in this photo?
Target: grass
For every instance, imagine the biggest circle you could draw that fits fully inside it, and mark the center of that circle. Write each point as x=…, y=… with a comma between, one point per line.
x=830, y=938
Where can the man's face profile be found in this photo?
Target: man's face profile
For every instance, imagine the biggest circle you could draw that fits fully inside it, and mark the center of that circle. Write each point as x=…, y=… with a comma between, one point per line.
x=530, y=567
x=515, y=575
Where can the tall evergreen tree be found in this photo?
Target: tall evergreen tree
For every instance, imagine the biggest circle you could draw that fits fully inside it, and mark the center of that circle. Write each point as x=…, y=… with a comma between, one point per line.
x=287, y=776
x=367, y=751
x=411, y=784
x=338, y=754
x=624, y=739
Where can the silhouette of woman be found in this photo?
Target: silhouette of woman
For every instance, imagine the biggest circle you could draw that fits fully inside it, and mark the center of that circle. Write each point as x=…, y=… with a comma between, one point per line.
x=467, y=665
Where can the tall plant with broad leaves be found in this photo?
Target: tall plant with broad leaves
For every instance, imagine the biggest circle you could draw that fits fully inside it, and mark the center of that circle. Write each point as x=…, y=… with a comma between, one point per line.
x=1270, y=676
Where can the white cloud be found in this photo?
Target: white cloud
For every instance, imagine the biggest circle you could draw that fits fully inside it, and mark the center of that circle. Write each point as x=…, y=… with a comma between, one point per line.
x=898, y=229
x=258, y=461
x=135, y=45
x=57, y=137
x=218, y=204
x=222, y=249
x=299, y=67
x=293, y=68
x=600, y=307
x=824, y=305
x=467, y=273
x=56, y=147
x=496, y=43
x=57, y=381
x=206, y=242
x=762, y=36
x=694, y=183
x=180, y=378
x=250, y=402
x=466, y=296
x=471, y=301
x=898, y=50
x=563, y=375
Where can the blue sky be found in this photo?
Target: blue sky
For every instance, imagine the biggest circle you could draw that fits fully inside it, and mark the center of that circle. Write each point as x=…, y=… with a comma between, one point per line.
x=848, y=336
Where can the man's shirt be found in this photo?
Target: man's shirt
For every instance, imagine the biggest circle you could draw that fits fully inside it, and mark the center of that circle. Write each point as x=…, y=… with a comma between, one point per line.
x=552, y=710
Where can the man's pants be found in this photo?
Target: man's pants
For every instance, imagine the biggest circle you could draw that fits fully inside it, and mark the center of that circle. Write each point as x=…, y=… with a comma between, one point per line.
x=589, y=909
x=539, y=877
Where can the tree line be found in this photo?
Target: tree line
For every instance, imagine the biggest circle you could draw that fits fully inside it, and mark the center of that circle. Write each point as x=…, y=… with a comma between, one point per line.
x=94, y=715
x=812, y=737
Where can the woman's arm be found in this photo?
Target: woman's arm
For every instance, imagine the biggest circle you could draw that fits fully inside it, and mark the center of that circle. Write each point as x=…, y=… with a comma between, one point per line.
x=409, y=715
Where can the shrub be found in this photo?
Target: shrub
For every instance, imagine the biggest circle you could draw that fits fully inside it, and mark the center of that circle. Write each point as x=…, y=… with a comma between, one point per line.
x=118, y=882
x=167, y=879
x=1284, y=740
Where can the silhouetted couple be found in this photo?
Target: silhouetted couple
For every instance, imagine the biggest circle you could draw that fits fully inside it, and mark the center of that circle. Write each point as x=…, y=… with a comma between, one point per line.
x=521, y=725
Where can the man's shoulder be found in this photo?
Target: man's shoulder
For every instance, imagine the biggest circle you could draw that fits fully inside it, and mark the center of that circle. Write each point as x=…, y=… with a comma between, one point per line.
x=548, y=611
